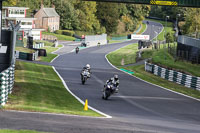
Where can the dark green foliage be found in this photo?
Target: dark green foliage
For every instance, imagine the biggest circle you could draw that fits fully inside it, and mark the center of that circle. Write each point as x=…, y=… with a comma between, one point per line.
x=65, y=32
x=92, y=17
x=108, y=15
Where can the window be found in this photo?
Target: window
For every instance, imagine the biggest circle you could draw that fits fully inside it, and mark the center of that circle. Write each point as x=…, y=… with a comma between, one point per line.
x=21, y=11
x=3, y=23
x=26, y=23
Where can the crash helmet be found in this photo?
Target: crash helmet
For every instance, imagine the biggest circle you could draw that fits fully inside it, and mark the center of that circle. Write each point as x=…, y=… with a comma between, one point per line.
x=116, y=77
x=88, y=66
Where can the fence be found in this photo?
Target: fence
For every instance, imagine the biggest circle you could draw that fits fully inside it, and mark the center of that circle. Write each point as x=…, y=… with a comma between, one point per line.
x=171, y=75
x=94, y=40
x=189, y=49
x=6, y=84
x=38, y=45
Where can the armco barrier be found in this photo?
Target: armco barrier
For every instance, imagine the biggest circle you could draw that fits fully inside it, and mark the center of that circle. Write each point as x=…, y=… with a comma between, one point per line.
x=6, y=84
x=171, y=75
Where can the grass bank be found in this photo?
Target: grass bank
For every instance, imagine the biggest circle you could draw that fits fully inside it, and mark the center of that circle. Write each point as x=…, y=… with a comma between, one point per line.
x=49, y=56
x=38, y=88
x=124, y=55
x=128, y=54
x=25, y=50
x=60, y=37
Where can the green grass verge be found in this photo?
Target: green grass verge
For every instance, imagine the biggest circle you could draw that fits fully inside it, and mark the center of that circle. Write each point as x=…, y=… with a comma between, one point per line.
x=46, y=43
x=158, y=56
x=126, y=55
x=19, y=131
x=38, y=88
x=168, y=28
x=60, y=37
x=25, y=50
x=49, y=56
x=163, y=58
x=115, y=41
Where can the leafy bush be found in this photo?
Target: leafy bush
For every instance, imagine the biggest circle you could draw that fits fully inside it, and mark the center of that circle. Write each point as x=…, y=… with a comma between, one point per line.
x=59, y=32
x=68, y=33
x=65, y=32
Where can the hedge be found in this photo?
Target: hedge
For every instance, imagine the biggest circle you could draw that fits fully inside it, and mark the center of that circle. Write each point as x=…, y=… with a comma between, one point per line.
x=65, y=32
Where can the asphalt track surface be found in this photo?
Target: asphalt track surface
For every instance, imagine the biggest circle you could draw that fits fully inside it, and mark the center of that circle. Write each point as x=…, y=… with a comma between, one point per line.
x=139, y=107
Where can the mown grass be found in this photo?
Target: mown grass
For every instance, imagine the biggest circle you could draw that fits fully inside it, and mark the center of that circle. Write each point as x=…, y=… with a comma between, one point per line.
x=115, y=41
x=49, y=56
x=25, y=50
x=38, y=88
x=126, y=55
x=163, y=58
x=60, y=37
x=19, y=131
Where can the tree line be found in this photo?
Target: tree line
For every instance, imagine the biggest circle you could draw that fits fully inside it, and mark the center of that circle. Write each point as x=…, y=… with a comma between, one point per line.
x=111, y=18
x=96, y=17
x=188, y=18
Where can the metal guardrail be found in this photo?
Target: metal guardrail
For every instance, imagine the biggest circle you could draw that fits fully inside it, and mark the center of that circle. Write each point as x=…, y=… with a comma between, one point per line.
x=6, y=84
x=189, y=41
x=174, y=76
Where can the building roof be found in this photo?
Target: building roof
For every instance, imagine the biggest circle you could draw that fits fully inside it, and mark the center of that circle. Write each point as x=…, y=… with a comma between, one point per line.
x=50, y=12
x=7, y=7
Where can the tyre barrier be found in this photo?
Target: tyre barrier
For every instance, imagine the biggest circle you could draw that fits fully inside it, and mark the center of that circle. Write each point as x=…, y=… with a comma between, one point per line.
x=6, y=84
x=174, y=76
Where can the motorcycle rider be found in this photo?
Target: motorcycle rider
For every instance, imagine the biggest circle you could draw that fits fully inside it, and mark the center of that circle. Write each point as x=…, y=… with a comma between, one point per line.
x=77, y=50
x=87, y=67
x=115, y=82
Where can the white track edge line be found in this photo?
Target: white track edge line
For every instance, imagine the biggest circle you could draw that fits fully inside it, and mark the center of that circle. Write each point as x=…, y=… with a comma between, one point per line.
x=56, y=114
x=149, y=82
x=82, y=102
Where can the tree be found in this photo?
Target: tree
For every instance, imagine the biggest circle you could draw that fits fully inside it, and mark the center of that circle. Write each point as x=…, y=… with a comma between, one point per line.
x=192, y=22
x=137, y=14
x=68, y=15
x=108, y=15
x=87, y=16
x=10, y=3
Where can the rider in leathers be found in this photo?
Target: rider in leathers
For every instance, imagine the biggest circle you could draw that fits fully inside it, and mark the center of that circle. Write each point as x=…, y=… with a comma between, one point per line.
x=87, y=67
x=115, y=81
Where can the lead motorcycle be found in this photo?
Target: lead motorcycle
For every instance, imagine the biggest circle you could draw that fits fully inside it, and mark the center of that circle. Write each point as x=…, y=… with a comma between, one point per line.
x=108, y=90
x=84, y=76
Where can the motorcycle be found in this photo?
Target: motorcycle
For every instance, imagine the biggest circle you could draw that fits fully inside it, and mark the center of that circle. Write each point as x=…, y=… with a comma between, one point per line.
x=108, y=90
x=84, y=76
x=77, y=50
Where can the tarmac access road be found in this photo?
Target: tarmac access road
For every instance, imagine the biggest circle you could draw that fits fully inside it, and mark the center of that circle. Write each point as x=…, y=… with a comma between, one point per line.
x=139, y=107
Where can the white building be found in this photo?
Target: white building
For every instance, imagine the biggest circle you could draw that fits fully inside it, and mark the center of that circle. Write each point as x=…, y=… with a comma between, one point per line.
x=16, y=14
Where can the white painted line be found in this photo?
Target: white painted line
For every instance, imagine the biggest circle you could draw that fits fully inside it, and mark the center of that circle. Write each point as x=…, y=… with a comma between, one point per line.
x=82, y=102
x=147, y=81
x=45, y=113
x=55, y=58
x=55, y=53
